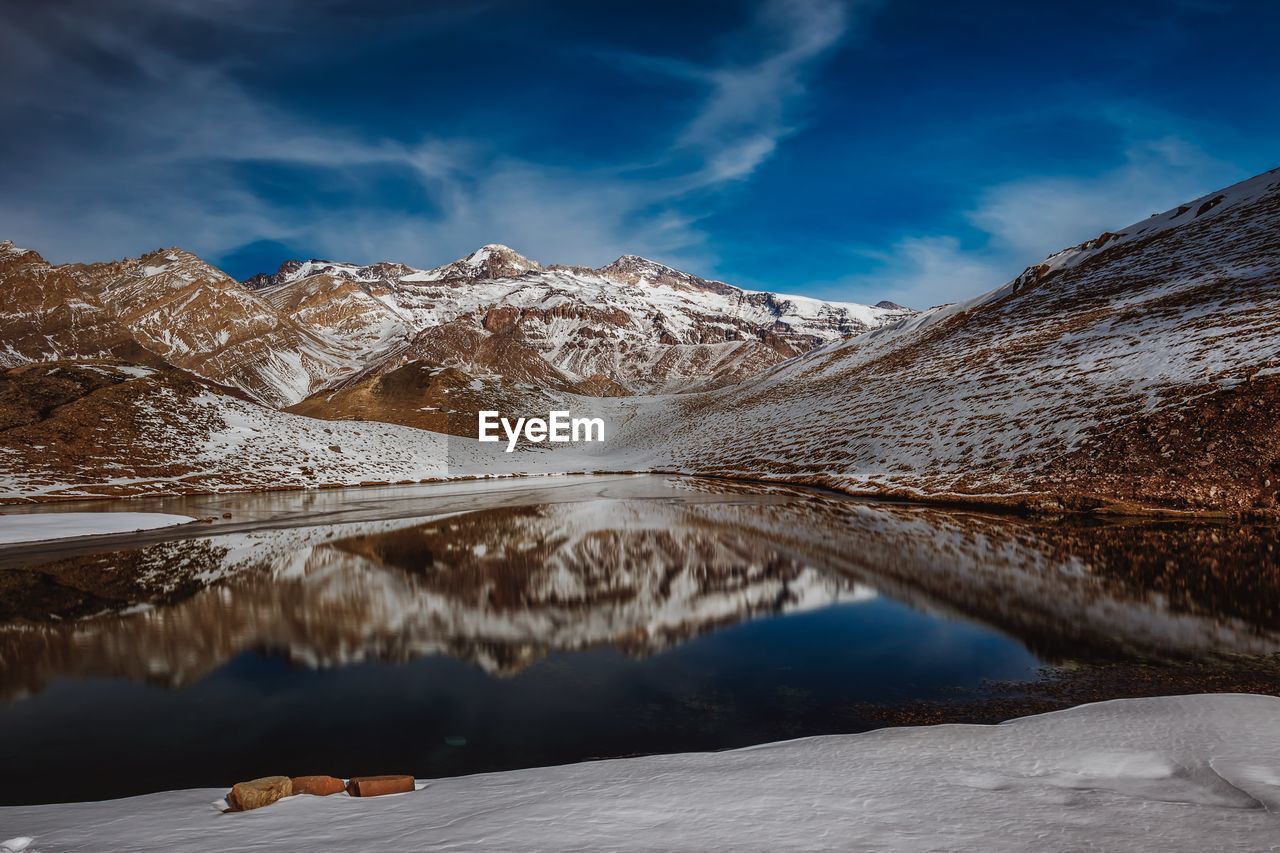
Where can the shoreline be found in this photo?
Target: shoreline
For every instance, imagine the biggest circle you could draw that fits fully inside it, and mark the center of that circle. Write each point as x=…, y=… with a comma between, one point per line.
x=1028, y=504
x=1189, y=772
x=1058, y=688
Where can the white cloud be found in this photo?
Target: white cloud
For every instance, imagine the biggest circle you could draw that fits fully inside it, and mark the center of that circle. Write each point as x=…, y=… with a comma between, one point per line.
x=921, y=272
x=746, y=113
x=554, y=216
x=1021, y=222
x=1038, y=216
x=163, y=141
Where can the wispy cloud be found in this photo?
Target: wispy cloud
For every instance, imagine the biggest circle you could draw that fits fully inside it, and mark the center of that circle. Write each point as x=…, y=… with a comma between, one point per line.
x=921, y=272
x=1039, y=215
x=131, y=143
x=750, y=92
x=748, y=110
x=1020, y=222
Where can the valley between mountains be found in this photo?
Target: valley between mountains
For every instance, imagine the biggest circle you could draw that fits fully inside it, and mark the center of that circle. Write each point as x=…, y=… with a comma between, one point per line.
x=1139, y=371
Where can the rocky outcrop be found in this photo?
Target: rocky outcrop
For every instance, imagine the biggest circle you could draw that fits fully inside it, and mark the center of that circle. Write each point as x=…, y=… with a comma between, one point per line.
x=379, y=786
x=46, y=316
x=316, y=325
x=317, y=786
x=257, y=793
x=641, y=325
x=112, y=429
x=196, y=317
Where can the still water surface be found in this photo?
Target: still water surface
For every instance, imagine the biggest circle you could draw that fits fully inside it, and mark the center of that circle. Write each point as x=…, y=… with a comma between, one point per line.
x=441, y=632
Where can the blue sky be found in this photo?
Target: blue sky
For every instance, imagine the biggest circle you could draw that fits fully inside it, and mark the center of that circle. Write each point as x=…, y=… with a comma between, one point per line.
x=915, y=151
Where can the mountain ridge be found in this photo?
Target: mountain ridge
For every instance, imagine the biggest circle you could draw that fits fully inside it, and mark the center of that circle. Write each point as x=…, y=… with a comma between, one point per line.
x=314, y=326
x=1134, y=372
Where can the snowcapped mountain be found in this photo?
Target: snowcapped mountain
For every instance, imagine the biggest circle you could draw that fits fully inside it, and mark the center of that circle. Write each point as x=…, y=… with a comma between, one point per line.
x=1139, y=369
x=105, y=428
x=319, y=327
x=1142, y=367
x=635, y=323
x=196, y=317
x=45, y=316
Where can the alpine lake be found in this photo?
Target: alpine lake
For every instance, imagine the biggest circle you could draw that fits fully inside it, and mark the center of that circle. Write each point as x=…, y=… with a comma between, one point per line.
x=450, y=629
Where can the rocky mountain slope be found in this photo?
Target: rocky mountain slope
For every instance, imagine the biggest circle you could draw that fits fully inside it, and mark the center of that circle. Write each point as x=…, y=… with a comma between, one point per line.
x=196, y=317
x=317, y=327
x=634, y=326
x=110, y=429
x=45, y=316
x=1139, y=369
x=1142, y=367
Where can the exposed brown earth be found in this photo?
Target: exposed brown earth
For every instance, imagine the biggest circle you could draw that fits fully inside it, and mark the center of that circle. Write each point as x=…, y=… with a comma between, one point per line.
x=1137, y=372
x=200, y=319
x=450, y=373
x=318, y=326
x=1219, y=448
x=1133, y=373
x=636, y=323
x=45, y=316
x=106, y=429
x=77, y=422
x=440, y=399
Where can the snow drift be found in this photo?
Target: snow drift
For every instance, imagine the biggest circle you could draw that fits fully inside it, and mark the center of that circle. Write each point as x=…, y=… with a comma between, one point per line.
x=1189, y=773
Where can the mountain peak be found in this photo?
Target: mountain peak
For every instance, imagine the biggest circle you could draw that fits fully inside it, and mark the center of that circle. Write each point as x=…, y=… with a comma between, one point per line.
x=7, y=247
x=638, y=263
x=496, y=248
x=492, y=260
x=636, y=270
x=170, y=254
x=287, y=272
x=491, y=252
x=11, y=254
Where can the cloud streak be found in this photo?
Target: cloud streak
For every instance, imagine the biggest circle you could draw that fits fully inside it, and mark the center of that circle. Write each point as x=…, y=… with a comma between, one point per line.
x=747, y=112
x=1019, y=223
x=132, y=143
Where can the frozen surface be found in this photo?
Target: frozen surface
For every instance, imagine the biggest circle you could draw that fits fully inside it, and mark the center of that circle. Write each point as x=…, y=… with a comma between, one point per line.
x=37, y=527
x=1188, y=773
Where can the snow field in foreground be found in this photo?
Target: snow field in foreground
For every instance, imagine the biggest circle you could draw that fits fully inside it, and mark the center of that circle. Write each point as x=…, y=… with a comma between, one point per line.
x=1187, y=773
x=41, y=526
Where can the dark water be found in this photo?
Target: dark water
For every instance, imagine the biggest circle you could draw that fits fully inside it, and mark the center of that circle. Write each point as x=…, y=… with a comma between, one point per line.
x=561, y=624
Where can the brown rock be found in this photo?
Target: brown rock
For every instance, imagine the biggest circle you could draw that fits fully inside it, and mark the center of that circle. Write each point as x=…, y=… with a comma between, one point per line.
x=376, y=786
x=317, y=786
x=259, y=792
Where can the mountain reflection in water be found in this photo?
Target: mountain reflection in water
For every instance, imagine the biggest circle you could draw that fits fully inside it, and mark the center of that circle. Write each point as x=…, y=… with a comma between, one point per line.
x=900, y=601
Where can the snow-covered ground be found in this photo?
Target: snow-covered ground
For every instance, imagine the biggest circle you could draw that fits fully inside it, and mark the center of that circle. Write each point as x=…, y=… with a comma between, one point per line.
x=40, y=526
x=1014, y=394
x=1190, y=773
